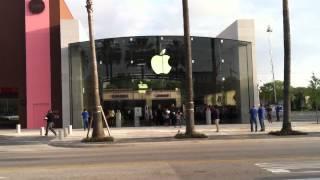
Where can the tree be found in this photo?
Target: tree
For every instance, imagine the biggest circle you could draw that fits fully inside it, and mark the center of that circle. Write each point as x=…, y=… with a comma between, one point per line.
x=286, y=126
x=267, y=93
x=188, y=56
x=298, y=98
x=315, y=93
x=95, y=106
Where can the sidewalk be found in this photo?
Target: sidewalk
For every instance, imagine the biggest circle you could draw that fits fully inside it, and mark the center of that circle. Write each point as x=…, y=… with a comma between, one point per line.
x=165, y=133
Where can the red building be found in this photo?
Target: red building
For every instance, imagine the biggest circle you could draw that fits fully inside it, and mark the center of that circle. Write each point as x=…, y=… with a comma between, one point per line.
x=30, y=56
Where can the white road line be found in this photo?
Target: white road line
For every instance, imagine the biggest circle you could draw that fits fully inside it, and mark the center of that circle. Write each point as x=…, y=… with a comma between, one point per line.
x=304, y=167
x=3, y=177
x=307, y=179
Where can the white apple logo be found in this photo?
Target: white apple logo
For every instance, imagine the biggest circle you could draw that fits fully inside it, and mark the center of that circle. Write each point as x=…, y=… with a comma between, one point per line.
x=160, y=63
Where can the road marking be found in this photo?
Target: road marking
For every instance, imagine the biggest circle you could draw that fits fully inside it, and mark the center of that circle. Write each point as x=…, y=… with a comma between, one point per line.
x=302, y=167
x=306, y=179
x=3, y=177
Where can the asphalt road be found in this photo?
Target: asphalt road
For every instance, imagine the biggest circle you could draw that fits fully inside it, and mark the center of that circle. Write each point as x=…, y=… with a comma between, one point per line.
x=276, y=158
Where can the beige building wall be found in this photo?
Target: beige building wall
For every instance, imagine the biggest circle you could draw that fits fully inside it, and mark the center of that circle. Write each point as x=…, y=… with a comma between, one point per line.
x=71, y=32
x=244, y=30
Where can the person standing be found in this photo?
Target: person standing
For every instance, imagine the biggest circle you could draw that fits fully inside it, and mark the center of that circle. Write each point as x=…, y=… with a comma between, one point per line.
x=159, y=117
x=85, y=118
x=166, y=116
x=178, y=118
x=253, y=118
x=278, y=108
x=172, y=115
x=269, y=114
x=261, y=115
x=50, y=123
x=215, y=114
x=111, y=118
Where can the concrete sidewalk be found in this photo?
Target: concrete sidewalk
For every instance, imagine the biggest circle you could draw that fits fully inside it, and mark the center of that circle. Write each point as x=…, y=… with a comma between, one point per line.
x=162, y=133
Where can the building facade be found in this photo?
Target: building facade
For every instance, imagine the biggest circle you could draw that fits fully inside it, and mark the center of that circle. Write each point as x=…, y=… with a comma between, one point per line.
x=33, y=35
x=40, y=71
x=142, y=76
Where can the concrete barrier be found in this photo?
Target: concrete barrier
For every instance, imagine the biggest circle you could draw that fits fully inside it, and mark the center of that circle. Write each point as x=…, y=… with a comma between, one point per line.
x=70, y=129
x=18, y=128
x=42, y=132
x=60, y=134
x=65, y=132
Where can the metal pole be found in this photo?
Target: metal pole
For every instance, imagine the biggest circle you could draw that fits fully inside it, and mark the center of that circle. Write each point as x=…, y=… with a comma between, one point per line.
x=98, y=131
x=269, y=31
x=188, y=56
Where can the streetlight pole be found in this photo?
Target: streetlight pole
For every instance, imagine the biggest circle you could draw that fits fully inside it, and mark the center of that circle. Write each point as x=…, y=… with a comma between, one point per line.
x=188, y=56
x=269, y=31
x=94, y=100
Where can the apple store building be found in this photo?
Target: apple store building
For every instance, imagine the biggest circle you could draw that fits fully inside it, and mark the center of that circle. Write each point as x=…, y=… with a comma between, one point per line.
x=141, y=77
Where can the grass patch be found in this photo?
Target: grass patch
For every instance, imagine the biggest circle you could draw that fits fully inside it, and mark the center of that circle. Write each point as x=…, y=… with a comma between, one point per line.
x=104, y=139
x=287, y=133
x=193, y=135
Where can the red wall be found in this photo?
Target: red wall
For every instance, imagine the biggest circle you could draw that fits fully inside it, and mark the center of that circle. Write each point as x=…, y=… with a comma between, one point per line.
x=38, y=70
x=12, y=51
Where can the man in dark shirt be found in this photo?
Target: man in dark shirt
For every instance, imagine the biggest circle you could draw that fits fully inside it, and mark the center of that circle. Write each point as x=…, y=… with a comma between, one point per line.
x=261, y=114
x=278, y=108
x=50, y=122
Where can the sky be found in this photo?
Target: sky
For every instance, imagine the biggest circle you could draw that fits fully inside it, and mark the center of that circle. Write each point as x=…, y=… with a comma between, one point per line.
x=118, y=18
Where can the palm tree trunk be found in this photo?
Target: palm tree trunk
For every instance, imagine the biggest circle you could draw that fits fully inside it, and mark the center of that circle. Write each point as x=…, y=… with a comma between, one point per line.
x=286, y=126
x=188, y=56
x=98, y=131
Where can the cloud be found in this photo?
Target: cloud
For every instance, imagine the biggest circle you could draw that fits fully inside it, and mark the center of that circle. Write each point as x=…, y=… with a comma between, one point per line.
x=114, y=18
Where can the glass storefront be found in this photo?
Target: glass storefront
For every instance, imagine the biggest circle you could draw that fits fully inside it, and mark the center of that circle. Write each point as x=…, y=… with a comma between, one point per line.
x=142, y=77
x=8, y=107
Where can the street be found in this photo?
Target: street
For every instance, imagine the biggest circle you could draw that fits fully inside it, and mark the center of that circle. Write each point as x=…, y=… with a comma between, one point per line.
x=272, y=158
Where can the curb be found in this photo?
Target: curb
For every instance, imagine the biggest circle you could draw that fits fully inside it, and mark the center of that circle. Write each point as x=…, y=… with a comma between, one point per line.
x=132, y=141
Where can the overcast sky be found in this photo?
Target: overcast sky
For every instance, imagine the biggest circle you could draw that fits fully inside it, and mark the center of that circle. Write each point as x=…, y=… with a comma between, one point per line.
x=116, y=18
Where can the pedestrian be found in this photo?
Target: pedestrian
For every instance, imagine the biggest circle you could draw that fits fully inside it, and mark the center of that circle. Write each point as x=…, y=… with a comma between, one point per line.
x=85, y=119
x=172, y=115
x=215, y=115
x=269, y=113
x=278, y=108
x=261, y=115
x=253, y=118
x=166, y=116
x=111, y=118
x=159, y=117
x=50, y=122
x=178, y=118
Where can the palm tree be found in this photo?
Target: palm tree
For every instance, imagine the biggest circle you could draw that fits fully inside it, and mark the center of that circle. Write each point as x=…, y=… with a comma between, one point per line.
x=286, y=126
x=98, y=131
x=187, y=42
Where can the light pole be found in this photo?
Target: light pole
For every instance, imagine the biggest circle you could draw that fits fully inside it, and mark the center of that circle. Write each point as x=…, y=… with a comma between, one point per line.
x=94, y=101
x=269, y=31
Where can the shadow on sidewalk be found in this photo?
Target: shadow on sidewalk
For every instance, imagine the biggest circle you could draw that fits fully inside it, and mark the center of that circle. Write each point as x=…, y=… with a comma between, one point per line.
x=24, y=140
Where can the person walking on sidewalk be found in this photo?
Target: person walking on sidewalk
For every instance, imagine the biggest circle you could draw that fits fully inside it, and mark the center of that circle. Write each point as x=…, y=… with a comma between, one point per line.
x=85, y=119
x=215, y=113
x=253, y=118
x=261, y=115
x=50, y=123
